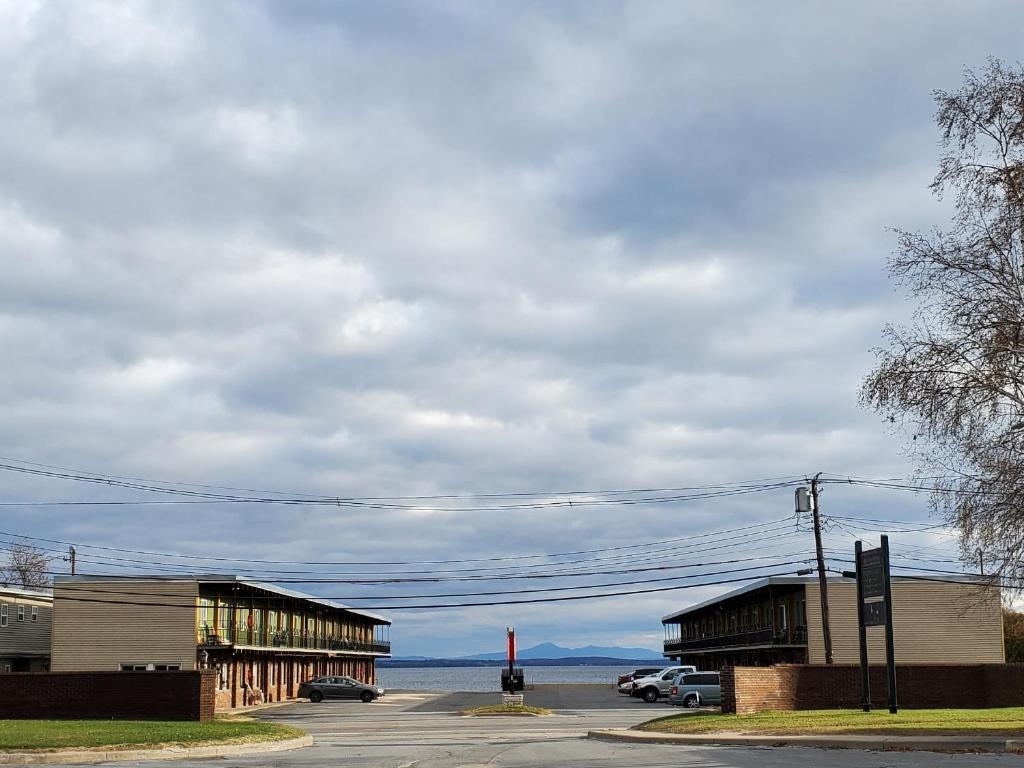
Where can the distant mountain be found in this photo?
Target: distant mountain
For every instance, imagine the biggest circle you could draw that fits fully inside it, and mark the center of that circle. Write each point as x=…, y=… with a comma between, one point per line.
x=552, y=651
x=575, y=661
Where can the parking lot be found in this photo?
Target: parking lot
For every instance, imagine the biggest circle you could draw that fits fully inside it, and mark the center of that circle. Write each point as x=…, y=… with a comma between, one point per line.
x=426, y=730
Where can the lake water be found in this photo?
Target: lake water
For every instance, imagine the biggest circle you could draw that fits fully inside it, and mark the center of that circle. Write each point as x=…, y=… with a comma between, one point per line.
x=489, y=678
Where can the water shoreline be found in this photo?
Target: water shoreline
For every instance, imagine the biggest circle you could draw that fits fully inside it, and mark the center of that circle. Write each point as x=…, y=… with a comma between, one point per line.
x=488, y=678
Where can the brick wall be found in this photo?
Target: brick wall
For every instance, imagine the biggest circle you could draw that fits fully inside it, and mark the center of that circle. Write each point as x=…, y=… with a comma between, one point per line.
x=103, y=695
x=805, y=686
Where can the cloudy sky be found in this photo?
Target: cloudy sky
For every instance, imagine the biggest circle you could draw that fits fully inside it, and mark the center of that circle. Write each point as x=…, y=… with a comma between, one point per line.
x=423, y=248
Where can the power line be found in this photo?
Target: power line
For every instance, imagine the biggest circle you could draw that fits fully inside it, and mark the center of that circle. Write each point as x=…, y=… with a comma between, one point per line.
x=490, y=603
x=99, y=476
x=274, y=575
x=220, y=559
x=77, y=588
x=400, y=579
x=369, y=502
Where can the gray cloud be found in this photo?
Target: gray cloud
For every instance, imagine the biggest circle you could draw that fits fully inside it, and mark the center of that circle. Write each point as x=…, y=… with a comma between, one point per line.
x=458, y=247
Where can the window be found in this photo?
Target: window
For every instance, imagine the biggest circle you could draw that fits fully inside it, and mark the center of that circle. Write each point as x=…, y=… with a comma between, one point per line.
x=782, y=617
x=21, y=613
x=7, y=667
x=801, y=613
x=3, y=614
x=35, y=613
x=150, y=667
x=757, y=619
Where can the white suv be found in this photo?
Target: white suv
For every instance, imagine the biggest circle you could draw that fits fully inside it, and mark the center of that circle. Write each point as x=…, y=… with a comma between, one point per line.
x=652, y=687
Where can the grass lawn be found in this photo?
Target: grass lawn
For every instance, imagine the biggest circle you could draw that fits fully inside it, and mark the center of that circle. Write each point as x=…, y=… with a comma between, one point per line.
x=87, y=734
x=507, y=709
x=1007, y=721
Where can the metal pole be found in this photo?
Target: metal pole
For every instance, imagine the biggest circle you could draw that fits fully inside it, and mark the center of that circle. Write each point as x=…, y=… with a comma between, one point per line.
x=890, y=649
x=865, y=670
x=71, y=557
x=826, y=628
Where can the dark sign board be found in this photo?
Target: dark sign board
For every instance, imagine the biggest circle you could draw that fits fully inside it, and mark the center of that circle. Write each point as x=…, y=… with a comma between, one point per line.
x=873, y=582
x=874, y=614
x=872, y=574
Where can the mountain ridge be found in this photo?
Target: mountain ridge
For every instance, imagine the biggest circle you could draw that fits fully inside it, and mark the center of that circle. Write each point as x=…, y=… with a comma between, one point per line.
x=551, y=651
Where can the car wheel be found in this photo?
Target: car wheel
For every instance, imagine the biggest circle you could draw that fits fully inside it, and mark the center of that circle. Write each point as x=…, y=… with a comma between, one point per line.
x=691, y=702
x=316, y=697
x=366, y=696
x=650, y=695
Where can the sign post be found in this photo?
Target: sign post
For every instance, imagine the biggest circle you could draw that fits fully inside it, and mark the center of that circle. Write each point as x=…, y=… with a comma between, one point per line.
x=865, y=671
x=874, y=609
x=890, y=646
x=512, y=679
x=510, y=641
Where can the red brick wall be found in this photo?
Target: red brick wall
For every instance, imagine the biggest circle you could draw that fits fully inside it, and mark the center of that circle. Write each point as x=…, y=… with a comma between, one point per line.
x=103, y=695
x=806, y=686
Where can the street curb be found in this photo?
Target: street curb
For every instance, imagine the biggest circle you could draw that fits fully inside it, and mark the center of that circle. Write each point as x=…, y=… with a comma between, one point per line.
x=876, y=743
x=167, y=753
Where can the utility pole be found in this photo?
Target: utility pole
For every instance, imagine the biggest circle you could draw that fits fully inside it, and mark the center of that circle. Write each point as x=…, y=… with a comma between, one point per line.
x=71, y=558
x=826, y=627
x=808, y=502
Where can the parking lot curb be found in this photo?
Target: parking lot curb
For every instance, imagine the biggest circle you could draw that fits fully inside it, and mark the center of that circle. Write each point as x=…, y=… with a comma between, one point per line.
x=878, y=743
x=79, y=756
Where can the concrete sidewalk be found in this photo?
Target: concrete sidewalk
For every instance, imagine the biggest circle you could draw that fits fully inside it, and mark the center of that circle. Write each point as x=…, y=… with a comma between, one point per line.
x=880, y=743
x=79, y=756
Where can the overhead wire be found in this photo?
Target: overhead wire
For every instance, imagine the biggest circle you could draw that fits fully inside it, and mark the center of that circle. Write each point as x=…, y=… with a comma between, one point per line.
x=76, y=587
x=371, y=503
x=743, y=531
x=489, y=603
x=331, y=497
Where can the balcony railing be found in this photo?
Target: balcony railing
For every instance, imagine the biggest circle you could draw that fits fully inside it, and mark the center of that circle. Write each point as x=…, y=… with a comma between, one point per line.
x=283, y=638
x=791, y=636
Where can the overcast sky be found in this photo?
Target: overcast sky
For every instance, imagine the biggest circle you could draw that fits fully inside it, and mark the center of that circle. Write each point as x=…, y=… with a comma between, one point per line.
x=384, y=249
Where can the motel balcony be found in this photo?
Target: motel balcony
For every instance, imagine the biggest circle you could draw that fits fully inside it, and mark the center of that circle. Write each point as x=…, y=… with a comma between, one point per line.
x=757, y=638
x=257, y=637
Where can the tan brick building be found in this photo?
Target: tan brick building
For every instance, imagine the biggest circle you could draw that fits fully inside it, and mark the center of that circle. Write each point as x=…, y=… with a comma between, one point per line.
x=262, y=640
x=778, y=621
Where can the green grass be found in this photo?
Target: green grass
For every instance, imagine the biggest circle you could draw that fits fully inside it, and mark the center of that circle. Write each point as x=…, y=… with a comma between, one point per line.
x=1006, y=721
x=90, y=734
x=507, y=709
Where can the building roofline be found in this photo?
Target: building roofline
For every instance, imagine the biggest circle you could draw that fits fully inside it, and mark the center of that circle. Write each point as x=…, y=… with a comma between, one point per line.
x=751, y=587
x=804, y=580
x=207, y=578
x=37, y=594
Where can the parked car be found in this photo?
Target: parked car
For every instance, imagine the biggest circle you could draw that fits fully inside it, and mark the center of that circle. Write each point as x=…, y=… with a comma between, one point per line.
x=338, y=688
x=696, y=689
x=652, y=687
x=625, y=682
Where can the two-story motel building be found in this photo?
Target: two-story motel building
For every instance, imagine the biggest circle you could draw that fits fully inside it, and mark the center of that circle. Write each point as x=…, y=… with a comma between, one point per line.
x=263, y=640
x=777, y=620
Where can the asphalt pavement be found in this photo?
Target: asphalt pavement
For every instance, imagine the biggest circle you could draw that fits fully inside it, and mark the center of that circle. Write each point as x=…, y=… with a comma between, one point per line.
x=424, y=730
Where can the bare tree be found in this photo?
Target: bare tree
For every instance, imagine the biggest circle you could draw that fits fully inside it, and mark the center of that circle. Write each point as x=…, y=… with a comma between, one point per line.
x=954, y=376
x=22, y=565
